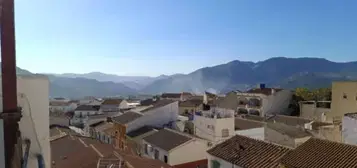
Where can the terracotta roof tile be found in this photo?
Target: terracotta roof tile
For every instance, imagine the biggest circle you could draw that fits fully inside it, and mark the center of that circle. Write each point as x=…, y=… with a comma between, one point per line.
x=141, y=162
x=243, y=124
x=290, y=131
x=82, y=152
x=56, y=103
x=249, y=153
x=167, y=139
x=191, y=103
x=171, y=95
x=288, y=120
x=126, y=117
x=112, y=101
x=158, y=104
x=317, y=153
x=86, y=108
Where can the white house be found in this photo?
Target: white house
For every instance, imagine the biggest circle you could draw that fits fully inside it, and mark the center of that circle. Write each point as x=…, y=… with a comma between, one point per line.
x=250, y=128
x=58, y=106
x=86, y=110
x=90, y=100
x=244, y=152
x=159, y=114
x=113, y=105
x=264, y=101
x=349, y=128
x=215, y=125
x=33, y=92
x=174, y=148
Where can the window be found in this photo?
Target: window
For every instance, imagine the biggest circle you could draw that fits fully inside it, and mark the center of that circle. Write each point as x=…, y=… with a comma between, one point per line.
x=146, y=148
x=225, y=132
x=165, y=158
x=156, y=154
x=344, y=96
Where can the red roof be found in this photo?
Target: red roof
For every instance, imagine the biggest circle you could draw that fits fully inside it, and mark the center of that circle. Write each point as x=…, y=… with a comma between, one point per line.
x=199, y=163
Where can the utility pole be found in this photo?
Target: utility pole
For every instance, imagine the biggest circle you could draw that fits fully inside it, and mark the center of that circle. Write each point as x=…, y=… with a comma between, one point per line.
x=11, y=114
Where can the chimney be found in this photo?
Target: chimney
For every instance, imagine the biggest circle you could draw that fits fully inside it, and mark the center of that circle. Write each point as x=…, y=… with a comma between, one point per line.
x=262, y=86
x=272, y=91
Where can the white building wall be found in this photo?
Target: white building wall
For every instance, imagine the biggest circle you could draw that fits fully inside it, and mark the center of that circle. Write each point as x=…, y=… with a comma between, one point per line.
x=277, y=103
x=77, y=113
x=192, y=151
x=256, y=133
x=211, y=129
x=349, y=130
x=156, y=117
x=33, y=93
x=124, y=105
x=223, y=163
x=151, y=152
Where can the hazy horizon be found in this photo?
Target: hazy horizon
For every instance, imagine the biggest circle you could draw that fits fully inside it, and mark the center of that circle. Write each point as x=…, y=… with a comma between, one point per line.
x=151, y=38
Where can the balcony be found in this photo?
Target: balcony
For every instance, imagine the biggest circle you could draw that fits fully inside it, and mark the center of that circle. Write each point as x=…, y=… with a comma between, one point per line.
x=216, y=113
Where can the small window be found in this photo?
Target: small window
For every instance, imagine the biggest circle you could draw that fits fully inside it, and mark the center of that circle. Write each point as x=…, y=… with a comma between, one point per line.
x=146, y=148
x=344, y=96
x=156, y=154
x=225, y=132
x=165, y=158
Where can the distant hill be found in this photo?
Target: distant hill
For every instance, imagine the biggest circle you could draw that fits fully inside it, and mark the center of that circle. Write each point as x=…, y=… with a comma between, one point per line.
x=278, y=71
x=235, y=75
x=134, y=82
x=81, y=87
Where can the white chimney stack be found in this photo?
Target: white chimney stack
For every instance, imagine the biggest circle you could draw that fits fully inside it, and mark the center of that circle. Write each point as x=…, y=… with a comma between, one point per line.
x=272, y=91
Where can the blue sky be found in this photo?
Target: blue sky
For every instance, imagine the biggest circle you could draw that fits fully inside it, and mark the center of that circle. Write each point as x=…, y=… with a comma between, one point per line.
x=153, y=37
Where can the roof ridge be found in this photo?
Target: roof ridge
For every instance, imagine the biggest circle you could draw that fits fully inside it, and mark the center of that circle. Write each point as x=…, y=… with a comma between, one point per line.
x=180, y=133
x=262, y=122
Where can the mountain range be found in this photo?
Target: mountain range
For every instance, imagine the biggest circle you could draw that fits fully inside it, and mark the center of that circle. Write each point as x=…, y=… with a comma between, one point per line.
x=236, y=75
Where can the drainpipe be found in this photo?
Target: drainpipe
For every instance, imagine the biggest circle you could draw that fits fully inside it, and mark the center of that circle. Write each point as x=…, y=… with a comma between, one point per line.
x=11, y=115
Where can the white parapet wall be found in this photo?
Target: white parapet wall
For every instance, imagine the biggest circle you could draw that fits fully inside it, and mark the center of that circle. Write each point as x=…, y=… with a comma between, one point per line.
x=33, y=93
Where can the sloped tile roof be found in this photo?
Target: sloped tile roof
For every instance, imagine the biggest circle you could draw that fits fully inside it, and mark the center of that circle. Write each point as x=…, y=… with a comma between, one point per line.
x=288, y=120
x=290, y=131
x=126, y=117
x=191, y=103
x=167, y=139
x=171, y=95
x=249, y=153
x=318, y=153
x=112, y=101
x=86, y=108
x=243, y=124
x=158, y=104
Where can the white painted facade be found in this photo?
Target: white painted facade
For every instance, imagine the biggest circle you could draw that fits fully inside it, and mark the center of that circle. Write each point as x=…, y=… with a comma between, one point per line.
x=33, y=92
x=67, y=107
x=156, y=117
x=84, y=113
x=309, y=110
x=276, y=103
x=349, y=130
x=255, y=133
x=212, y=128
x=190, y=151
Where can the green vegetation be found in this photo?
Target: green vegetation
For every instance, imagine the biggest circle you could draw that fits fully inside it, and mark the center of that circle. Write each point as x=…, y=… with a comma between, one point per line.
x=321, y=94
